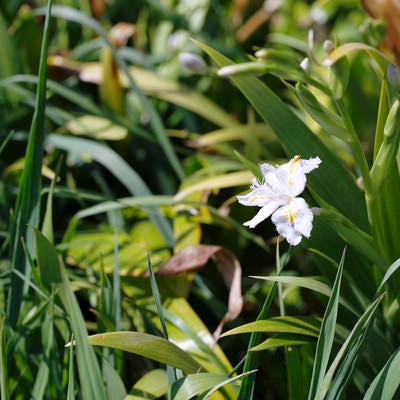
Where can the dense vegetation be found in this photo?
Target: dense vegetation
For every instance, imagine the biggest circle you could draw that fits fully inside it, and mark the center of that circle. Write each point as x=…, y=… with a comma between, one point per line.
x=134, y=136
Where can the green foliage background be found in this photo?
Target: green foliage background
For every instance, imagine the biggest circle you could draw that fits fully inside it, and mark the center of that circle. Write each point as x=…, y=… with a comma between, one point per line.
x=114, y=158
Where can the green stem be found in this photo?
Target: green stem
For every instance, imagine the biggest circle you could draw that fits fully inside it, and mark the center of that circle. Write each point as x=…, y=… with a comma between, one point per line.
x=355, y=145
x=279, y=267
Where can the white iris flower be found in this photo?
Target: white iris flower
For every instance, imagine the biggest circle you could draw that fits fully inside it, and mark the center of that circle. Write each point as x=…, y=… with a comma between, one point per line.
x=277, y=197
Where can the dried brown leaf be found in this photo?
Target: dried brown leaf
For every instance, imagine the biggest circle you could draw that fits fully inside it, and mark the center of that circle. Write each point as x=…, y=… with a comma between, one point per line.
x=389, y=12
x=192, y=258
x=120, y=34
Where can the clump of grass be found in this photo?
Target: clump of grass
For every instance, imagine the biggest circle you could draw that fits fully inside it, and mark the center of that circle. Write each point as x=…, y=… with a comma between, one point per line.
x=96, y=199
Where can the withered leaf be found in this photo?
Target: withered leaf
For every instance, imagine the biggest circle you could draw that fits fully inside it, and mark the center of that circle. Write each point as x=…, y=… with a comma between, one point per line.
x=192, y=258
x=389, y=12
x=120, y=34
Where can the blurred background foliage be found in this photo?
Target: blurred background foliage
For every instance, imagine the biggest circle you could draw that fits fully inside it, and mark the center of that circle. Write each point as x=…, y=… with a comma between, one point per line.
x=141, y=160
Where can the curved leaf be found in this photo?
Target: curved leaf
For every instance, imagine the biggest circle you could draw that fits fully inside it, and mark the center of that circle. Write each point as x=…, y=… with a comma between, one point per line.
x=385, y=384
x=149, y=346
x=282, y=340
x=308, y=326
x=193, y=385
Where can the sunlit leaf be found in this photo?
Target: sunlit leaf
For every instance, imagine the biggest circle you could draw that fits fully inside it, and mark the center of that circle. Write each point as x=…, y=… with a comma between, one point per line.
x=283, y=340
x=146, y=345
x=96, y=128
x=308, y=326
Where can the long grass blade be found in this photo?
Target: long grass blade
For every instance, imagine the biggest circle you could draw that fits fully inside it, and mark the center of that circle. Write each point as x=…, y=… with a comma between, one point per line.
x=150, y=346
x=348, y=355
x=247, y=385
x=42, y=377
x=71, y=375
x=3, y=362
x=171, y=372
x=52, y=273
x=28, y=199
x=386, y=383
x=326, y=336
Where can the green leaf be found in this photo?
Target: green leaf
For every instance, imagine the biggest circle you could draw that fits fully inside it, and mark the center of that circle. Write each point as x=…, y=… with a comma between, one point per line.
x=390, y=271
x=352, y=234
x=221, y=181
x=149, y=346
x=71, y=376
x=307, y=283
x=53, y=273
x=348, y=48
x=326, y=336
x=42, y=377
x=296, y=138
x=385, y=159
x=187, y=330
x=251, y=359
x=28, y=199
x=193, y=385
x=171, y=372
x=150, y=386
x=4, y=389
x=308, y=326
x=327, y=119
x=386, y=383
x=96, y=127
x=283, y=340
x=115, y=386
x=348, y=355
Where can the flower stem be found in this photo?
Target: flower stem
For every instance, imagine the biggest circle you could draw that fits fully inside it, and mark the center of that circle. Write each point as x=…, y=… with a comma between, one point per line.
x=355, y=145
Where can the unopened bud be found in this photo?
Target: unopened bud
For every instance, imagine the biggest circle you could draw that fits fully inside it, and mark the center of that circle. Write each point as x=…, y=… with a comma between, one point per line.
x=393, y=76
x=305, y=64
x=392, y=120
x=261, y=53
x=252, y=68
x=328, y=46
x=192, y=62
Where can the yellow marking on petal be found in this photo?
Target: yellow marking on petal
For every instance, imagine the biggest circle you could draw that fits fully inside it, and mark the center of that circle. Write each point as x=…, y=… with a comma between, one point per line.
x=256, y=198
x=292, y=166
x=290, y=215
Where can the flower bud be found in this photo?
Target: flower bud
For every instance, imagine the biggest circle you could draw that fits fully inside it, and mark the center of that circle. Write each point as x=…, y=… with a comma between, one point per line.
x=393, y=76
x=328, y=46
x=261, y=54
x=385, y=160
x=253, y=68
x=305, y=64
x=192, y=62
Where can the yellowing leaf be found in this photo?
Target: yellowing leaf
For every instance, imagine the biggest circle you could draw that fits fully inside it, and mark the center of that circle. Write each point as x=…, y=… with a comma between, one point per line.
x=96, y=128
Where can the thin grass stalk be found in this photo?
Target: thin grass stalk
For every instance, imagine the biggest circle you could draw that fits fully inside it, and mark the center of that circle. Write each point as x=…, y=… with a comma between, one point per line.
x=251, y=359
x=116, y=285
x=171, y=372
x=326, y=335
x=71, y=374
x=28, y=198
x=42, y=376
x=3, y=362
